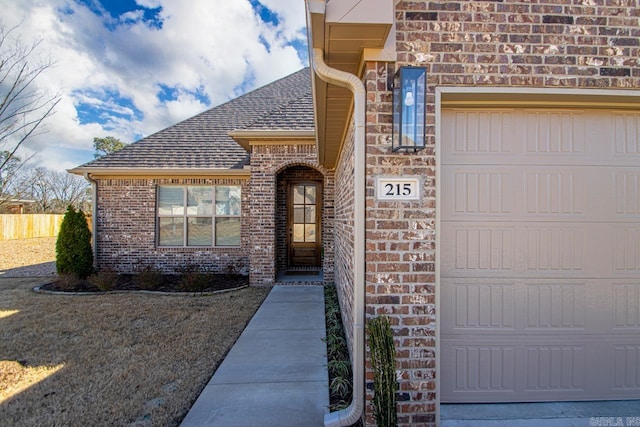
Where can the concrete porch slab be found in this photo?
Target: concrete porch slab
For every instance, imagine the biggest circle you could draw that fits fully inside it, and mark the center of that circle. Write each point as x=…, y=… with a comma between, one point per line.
x=554, y=414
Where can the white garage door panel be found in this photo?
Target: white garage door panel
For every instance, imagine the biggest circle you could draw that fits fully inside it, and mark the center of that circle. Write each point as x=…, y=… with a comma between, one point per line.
x=537, y=370
x=558, y=249
x=521, y=136
x=525, y=192
x=540, y=255
x=545, y=307
x=541, y=370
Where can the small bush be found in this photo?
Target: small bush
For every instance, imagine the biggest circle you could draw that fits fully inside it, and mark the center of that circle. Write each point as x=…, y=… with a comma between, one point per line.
x=383, y=364
x=235, y=268
x=338, y=364
x=148, y=278
x=70, y=283
x=73, y=247
x=104, y=280
x=194, y=279
x=339, y=368
x=341, y=386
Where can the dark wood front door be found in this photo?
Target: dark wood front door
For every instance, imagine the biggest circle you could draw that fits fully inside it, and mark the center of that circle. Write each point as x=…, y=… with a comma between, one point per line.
x=304, y=224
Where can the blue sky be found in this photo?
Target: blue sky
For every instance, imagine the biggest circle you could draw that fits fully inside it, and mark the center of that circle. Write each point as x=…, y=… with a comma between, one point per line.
x=128, y=68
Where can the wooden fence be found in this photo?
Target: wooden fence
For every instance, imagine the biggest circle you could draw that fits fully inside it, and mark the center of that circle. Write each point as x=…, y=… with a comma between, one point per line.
x=28, y=226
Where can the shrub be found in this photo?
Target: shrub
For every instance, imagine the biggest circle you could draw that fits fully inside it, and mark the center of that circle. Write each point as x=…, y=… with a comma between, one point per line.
x=193, y=282
x=383, y=364
x=74, y=255
x=194, y=279
x=70, y=283
x=338, y=364
x=235, y=268
x=148, y=278
x=104, y=280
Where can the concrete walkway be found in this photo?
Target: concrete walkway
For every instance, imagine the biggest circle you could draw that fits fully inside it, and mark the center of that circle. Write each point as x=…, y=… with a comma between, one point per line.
x=275, y=374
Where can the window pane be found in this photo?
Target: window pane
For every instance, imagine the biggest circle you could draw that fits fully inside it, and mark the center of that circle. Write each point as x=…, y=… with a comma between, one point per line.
x=310, y=195
x=310, y=233
x=228, y=200
x=310, y=214
x=170, y=200
x=298, y=194
x=199, y=232
x=171, y=231
x=199, y=201
x=298, y=215
x=227, y=231
x=298, y=232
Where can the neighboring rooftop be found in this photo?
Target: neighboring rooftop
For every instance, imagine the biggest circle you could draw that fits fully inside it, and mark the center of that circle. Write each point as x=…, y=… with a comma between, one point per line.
x=202, y=141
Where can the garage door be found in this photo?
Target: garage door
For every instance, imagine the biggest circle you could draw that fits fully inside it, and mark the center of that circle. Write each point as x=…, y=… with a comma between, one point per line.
x=540, y=255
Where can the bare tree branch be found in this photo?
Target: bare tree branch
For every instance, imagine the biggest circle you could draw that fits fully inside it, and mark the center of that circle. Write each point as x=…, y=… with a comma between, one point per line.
x=53, y=191
x=23, y=106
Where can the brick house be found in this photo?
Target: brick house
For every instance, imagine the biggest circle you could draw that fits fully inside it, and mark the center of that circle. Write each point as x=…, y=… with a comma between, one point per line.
x=512, y=273
x=213, y=191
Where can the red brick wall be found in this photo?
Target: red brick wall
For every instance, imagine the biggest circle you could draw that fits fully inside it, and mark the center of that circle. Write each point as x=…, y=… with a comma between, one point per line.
x=542, y=43
x=586, y=43
x=343, y=235
x=400, y=272
x=126, y=221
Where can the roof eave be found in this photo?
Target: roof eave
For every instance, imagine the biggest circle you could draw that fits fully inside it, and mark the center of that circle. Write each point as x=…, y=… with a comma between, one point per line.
x=168, y=172
x=245, y=136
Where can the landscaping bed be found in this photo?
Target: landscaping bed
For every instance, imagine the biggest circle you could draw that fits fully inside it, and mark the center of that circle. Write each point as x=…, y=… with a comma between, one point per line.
x=148, y=281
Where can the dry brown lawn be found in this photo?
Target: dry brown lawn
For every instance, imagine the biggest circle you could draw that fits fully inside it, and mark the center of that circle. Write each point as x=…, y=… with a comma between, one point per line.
x=26, y=252
x=117, y=359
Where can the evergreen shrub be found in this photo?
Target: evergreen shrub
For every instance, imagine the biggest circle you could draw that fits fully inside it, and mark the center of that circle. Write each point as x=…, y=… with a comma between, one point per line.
x=74, y=255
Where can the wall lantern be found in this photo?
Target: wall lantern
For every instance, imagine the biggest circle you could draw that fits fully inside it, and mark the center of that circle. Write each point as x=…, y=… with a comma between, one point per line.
x=409, y=108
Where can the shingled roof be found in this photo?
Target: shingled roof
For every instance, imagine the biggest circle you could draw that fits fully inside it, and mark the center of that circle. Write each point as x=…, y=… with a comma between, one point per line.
x=203, y=142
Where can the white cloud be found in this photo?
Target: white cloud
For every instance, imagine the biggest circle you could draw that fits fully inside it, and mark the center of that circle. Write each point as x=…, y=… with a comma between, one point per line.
x=203, y=46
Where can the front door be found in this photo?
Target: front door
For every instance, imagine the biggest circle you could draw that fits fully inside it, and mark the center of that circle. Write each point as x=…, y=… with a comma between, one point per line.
x=304, y=224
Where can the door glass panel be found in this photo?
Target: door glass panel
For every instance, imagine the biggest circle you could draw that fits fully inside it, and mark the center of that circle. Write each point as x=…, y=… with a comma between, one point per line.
x=298, y=233
x=309, y=214
x=304, y=213
x=310, y=233
x=298, y=194
x=310, y=194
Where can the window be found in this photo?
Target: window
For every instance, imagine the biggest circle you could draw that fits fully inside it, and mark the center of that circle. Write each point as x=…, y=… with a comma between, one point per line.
x=199, y=215
x=304, y=213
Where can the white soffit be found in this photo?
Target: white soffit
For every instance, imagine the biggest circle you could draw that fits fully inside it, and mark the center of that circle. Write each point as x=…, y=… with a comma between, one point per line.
x=346, y=30
x=352, y=26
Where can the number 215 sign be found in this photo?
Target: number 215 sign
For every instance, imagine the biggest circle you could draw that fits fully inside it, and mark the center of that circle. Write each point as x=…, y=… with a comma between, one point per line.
x=397, y=188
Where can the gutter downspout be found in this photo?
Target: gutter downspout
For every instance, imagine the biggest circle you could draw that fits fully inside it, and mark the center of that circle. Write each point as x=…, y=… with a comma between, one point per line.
x=353, y=412
x=94, y=216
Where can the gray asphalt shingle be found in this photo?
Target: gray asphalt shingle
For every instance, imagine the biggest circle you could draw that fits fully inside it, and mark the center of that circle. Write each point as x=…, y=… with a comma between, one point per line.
x=202, y=141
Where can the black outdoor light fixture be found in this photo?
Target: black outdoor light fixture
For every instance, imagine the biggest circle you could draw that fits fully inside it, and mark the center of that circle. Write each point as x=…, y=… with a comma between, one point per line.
x=409, y=108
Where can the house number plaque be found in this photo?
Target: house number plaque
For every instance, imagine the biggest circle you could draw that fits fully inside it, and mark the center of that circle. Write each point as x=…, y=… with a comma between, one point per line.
x=398, y=189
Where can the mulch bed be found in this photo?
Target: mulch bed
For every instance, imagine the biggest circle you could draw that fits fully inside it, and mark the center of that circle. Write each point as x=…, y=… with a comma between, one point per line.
x=160, y=283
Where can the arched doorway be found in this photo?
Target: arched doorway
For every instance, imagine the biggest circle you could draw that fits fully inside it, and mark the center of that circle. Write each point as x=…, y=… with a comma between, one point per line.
x=299, y=207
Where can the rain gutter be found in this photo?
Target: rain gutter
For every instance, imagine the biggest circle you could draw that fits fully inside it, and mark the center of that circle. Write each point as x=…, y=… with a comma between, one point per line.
x=94, y=217
x=353, y=412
